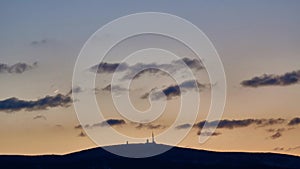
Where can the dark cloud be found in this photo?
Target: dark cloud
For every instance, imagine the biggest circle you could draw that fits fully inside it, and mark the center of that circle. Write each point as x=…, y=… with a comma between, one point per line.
x=150, y=126
x=15, y=104
x=269, y=122
x=294, y=121
x=183, y=126
x=40, y=117
x=174, y=90
x=273, y=80
x=209, y=133
x=16, y=68
x=231, y=124
x=110, y=122
x=105, y=67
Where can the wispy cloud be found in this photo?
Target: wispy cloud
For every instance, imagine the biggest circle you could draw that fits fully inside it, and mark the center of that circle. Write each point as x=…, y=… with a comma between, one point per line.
x=105, y=67
x=15, y=104
x=276, y=135
x=39, y=117
x=231, y=124
x=289, y=78
x=191, y=63
x=209, y=133
x=116, y=88
x=76, y=89
x=150, y=126
x=109, y=122
x=286, y=149
x=17, y=68
x=39, y=42
x=156, y=69
x=293, y=148
x=143, y=68
x=174, y=90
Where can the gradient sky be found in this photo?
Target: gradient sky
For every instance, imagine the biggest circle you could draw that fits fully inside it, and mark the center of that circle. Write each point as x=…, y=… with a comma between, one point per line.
x=253, y=38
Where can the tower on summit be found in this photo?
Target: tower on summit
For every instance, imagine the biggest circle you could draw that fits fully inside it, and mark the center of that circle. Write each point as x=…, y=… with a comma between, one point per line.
x=153, y=140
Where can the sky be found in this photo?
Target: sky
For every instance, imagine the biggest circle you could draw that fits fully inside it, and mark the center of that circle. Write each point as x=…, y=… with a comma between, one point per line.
x=257, y=41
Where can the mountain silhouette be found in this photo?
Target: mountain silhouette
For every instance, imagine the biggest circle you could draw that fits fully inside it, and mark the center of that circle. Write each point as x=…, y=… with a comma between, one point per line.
x=175, y=158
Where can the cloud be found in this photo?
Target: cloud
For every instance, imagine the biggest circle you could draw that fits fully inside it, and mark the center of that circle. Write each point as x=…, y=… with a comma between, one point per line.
x=59, y=126
x=191, y=63
x=192, y=84
x=276, y=135
x=150, y=126
x=293, y=148
x=39, y=42
x=289, y=78
x=105, y=67
x=278, y=149
x=209, y=133
x=150, y=71
x=231, y=124
x=174, y=90
x=286, y=149
x=277, y=132
x=294, y=121
x=156, y=69
x=76, y=89
x=17, y=68
x=143, y=68
x=183, y=126
x=78, y=126
x=110, y=122
x=40, y=117
x=81, y=134
x=117, y=88
x=15, y=104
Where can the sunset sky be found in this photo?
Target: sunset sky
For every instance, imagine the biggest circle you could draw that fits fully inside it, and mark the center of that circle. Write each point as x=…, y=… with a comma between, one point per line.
x=257, y=41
